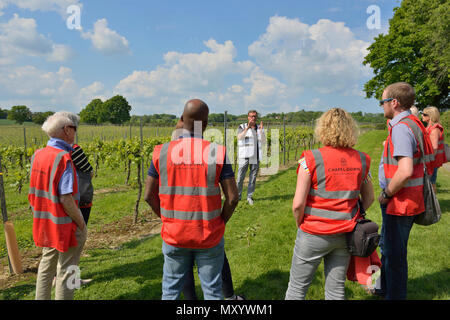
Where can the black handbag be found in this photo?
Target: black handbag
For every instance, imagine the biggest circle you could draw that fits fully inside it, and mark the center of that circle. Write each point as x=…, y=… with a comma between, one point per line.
x=85, y=187
x=364, y=238
x=432, y=213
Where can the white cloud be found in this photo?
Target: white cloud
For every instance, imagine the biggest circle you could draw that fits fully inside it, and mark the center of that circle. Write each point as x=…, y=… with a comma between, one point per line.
x=19, y=36
x=59, y=6
x=266, y=91
x=96, y=90
x=60, y=53
x=29, y=81
x=105, y=40
x=186, y=75
x=325, y=57
x=42, y=89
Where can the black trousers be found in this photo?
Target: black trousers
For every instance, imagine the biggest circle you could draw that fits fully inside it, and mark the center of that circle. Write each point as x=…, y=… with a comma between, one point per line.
x=227, y=282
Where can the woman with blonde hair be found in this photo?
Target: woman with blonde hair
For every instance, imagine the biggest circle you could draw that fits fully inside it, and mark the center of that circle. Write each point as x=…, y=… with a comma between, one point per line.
x=330, y=182
x=431, y=116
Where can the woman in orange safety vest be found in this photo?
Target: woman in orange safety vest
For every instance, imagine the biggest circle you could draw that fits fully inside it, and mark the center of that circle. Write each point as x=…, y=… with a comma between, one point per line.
x=330, y=180
x=431, y=116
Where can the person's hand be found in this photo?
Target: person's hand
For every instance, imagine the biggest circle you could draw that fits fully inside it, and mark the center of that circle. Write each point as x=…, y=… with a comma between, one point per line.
x=251, y=123
x=382, y=200
x=82, y=225
x=261, y=125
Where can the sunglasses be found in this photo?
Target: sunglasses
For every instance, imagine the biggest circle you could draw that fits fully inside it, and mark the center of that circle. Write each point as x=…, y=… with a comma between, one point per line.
x=73, y=127
x=424, y=115
x=385, y=100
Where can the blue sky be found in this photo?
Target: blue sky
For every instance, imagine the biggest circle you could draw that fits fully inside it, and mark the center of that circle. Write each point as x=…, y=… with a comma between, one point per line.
x=273, y=56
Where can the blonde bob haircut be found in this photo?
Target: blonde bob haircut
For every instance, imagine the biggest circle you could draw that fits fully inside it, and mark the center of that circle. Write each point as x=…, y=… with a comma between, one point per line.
x=433, y=113
x=336, y=128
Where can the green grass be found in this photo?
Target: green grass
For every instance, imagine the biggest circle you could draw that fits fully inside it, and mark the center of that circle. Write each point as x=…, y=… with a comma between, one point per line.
x=259, y=258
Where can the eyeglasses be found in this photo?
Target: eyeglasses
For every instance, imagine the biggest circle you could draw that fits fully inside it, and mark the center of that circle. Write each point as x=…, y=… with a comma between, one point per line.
x=385, y=100
x=424, y=115
x=73, y=127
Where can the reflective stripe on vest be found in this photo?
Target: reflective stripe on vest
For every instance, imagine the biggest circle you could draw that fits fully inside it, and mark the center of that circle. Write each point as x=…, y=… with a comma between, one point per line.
x=409, y=200
x=190, y=215
x=340, y=194
x=334, y=215
x=440, y=152
x=52, y=227
x=210, y=190
x=48, y=215
x=320, y=169
x=48, y=194
x=418, y=157
x=189, y=193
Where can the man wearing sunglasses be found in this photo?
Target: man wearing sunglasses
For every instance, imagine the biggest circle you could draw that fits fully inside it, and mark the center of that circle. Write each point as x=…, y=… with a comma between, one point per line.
x=58, y=225
x=401, y=180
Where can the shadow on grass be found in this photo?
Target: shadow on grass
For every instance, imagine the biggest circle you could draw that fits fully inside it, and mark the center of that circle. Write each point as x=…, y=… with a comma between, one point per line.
x=269, y=286
x=145, y=272
x=284, y=197
x=431, y=286
x=445, y=205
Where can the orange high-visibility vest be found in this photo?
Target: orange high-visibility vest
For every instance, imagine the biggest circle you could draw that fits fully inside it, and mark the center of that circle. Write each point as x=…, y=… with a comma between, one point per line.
x=52, y=227
x=409, y=200
x=439, y=157
x=189, y=192
x=336, y=178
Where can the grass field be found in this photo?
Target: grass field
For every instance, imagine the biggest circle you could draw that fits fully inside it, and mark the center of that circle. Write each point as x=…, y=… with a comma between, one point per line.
x=14, y=134
x=259, y=241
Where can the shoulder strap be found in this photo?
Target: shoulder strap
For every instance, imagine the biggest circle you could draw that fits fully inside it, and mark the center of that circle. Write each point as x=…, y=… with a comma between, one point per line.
x=419, y=140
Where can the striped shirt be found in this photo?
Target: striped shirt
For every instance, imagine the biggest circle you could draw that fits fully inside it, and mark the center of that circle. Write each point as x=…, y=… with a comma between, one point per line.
x=80, y=160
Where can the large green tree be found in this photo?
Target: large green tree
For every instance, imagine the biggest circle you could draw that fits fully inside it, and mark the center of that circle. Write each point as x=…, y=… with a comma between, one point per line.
x=40, y=117
x=93, y=113
x=19, y=114
x=416, y=50
x=118, y=109
x=3, y=113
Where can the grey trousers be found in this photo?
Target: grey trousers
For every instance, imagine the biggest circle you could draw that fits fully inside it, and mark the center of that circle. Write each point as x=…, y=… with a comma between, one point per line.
x=62, y=264
x=308, y=253
x=244, y=164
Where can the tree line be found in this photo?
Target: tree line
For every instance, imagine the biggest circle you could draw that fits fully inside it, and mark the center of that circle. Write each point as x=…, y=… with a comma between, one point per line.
x=117, y=111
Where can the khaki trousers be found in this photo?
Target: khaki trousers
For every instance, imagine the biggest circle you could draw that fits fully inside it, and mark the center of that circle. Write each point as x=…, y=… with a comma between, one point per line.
x=62, y=264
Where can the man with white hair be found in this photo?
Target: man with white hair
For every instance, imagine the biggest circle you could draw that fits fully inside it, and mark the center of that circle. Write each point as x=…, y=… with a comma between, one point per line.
x=58, y=225
x=414, y=111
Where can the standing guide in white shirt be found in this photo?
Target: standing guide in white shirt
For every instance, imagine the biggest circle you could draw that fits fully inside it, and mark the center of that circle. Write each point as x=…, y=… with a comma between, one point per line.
x=249, y=138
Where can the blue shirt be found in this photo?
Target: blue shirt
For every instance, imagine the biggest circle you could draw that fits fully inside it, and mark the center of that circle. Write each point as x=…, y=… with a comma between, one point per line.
x=65, y=185
x=404, y=143
x=226, y=173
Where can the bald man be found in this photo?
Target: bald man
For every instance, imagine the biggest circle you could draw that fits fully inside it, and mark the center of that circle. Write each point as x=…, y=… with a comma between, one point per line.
x=183, y=189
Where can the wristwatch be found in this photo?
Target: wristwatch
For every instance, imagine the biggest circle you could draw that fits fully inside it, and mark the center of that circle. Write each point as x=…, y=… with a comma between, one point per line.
x=384, y=194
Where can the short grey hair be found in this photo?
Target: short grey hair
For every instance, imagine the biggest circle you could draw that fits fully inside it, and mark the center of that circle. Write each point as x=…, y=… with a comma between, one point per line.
x=414, y=111
x=57, y=121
